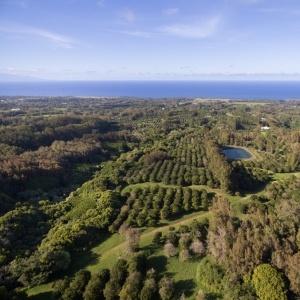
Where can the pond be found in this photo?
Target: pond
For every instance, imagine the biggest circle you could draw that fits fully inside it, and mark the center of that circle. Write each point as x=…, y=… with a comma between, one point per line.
x=236, y=153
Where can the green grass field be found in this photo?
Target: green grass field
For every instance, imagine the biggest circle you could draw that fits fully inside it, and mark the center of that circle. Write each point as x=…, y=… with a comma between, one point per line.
x=278, y=176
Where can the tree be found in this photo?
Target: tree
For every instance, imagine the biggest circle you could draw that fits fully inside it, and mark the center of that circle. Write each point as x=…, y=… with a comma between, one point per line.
x=56, y=260
x=184, y=241
x=292, y=272
x=166, y=288
x=197, y=247
x=200, y=295
x=187, y=196
x=3, y=293
x=195, y=229
x=137, y=262
x=221, y=230
x=60, y=287
x=210, y=275
x=196, y=199
x=169, y=249
x=269, y=283
x=165, y=212
x=156, y=238
x=17, y=294
x=94, y=289
x=132, y=238
x=184, y=255
x=77, y=285
x=172, y=237
x=149, y=289
x=109, y=204
x=131, y=288
x=111, y=290
x=119, y=272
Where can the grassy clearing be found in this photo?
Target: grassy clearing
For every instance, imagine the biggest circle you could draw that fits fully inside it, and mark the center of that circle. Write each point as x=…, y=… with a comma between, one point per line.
x=60, y=108
x=41, y=292
x=250, y=103
x=132, y=187
x=278, y=176
x=183, y=273
x=232, y=102
x=199, y=100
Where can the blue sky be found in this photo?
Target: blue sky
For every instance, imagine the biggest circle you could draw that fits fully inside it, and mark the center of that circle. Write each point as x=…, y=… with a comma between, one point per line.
x=150, y=40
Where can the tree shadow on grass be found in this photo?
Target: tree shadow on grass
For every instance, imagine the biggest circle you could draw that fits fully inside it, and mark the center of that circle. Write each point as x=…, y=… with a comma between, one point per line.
x=256, y=189
x=84, y=260
x=152, y=248
x=159, y=263
x=161, y=223
x=210, y=195
x=78, y=262
x=195, y=258
x=41, y=296
x=184, y=286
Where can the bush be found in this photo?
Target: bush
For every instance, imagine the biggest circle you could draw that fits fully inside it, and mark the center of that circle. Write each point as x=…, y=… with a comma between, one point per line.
x=269, y=283
x=210, y=275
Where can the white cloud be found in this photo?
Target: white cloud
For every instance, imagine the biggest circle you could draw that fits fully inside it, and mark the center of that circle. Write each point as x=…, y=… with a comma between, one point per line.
x=193, y=31
x=128, y=15
x=170, y=11
x=197, y=30
x=59, y=40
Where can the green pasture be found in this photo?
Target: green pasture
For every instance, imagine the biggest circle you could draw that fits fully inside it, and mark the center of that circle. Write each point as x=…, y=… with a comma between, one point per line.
x=278, y=176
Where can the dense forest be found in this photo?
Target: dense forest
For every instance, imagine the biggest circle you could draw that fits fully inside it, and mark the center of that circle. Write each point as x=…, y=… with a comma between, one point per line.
x=146, y=184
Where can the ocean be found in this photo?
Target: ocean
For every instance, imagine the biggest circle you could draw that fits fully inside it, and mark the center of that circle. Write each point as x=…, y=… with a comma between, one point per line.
x=276, y=90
